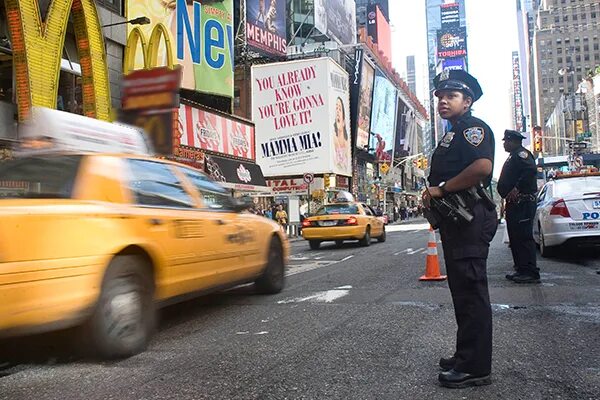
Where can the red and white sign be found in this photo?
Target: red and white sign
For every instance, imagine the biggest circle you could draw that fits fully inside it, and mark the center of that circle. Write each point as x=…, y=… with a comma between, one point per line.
x=288, y=186
x=205, y=130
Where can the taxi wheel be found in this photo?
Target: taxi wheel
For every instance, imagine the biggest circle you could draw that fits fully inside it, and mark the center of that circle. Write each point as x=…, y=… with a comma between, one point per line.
x=382, y=238
x=314, y=244
x=124, y=317
x=273, y=278
x=366, y=240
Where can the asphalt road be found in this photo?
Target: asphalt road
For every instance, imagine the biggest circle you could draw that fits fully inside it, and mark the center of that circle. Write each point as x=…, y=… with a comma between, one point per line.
x=353, y=323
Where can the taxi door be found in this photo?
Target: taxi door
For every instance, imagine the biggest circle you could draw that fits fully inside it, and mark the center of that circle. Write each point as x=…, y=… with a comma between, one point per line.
x=169, y=221
x=232, y=238
x=376, y=222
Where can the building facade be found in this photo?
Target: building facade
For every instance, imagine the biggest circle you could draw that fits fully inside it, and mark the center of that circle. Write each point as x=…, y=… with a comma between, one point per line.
x=411, y=74
x=566, y=46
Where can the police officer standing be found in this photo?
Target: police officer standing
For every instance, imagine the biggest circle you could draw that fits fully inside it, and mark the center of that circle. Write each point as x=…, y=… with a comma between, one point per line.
x=518, y=186
x=464, y=159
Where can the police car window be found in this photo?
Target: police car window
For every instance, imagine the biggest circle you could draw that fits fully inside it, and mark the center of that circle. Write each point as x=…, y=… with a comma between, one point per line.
x=214, y=196
x=542, y=195
x=40, y=177
x=564, y=187
x=333, y=209
x=155, y=184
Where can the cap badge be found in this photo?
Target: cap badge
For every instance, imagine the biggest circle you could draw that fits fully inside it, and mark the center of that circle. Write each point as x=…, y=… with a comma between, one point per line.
x=445, y=75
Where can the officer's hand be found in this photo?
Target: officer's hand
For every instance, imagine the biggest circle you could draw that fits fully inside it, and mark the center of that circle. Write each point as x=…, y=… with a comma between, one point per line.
x=434, y=192
x=512, y=196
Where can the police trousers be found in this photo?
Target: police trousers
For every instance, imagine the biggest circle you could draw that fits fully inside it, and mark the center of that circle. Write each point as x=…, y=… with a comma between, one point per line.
x=466, y=250
x=519, y=223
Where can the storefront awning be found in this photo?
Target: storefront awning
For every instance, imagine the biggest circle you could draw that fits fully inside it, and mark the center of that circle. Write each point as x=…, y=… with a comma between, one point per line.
x=236, y=174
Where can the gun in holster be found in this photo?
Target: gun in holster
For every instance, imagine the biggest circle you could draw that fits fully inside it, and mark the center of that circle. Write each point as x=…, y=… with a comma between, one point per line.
x=484, y=195
x=454, y=207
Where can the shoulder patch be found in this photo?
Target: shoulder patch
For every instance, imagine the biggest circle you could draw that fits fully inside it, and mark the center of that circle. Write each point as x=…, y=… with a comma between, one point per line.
x=523, y=154
x=474, y=135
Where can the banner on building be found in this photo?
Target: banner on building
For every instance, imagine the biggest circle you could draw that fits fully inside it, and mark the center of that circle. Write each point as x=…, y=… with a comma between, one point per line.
x=383, y=118
x=401, y=147
x=355, y=82
x=266, y=29
x=301, y=111
x=450, y=16
x=206, y=130
x=517, y=95
x=336, y=19
x=199, y=37
x=454, y=63
x=365, y=102
x=379, y=30
x=452, y=43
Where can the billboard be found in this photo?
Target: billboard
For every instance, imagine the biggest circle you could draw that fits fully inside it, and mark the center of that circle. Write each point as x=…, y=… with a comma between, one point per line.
x=202, y=129
x=450, y=16
x=199, y=35
x=336, y=19
x=302, y=114
x=365, y=102
x=452, y=43
x=265, y=26
x=379, y=30
x=383, y=118
x=454, y=63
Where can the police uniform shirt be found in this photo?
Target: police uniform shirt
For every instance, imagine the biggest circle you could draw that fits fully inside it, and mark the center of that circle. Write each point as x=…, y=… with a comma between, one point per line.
x=518, y=171
x=469, y=139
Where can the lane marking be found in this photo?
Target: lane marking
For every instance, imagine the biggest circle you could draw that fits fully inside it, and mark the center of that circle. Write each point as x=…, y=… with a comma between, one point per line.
x=403, y=251
x=319, y=297
x=415, y=251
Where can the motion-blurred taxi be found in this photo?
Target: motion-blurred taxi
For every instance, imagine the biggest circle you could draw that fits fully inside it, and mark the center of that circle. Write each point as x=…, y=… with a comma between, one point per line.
x=100, y=240
x=343, y=220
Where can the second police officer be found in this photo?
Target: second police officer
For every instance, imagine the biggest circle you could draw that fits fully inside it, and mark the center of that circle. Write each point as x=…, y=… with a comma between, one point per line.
x=518, y=186
x=464, y=159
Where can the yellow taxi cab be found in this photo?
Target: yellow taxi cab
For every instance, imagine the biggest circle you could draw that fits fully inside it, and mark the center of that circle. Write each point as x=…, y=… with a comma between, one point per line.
x=343, y=220
x=99, y=241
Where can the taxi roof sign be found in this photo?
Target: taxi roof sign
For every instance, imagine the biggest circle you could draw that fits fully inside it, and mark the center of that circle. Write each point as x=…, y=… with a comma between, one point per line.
x=63, y=131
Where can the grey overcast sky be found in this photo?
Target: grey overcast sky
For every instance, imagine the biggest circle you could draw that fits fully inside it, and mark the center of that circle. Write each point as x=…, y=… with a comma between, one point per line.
x=492, y=37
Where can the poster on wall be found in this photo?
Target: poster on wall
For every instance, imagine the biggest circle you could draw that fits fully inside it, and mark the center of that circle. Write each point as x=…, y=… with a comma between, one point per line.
x=201, y=37
x=301, y=111
x=265, y=26
x=336, y=19
x=205, y=130
x=383, y=118
x=364, y=105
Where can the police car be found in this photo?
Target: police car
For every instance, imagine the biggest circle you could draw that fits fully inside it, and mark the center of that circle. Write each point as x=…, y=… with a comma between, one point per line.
x=344, y=219
x=568, y=212
x=99, y=240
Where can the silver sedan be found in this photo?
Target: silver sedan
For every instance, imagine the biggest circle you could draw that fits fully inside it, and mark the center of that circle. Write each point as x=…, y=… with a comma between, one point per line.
x=568, y=211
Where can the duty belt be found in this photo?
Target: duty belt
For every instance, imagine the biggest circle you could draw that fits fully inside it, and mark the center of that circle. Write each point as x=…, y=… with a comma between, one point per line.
x=521, y=197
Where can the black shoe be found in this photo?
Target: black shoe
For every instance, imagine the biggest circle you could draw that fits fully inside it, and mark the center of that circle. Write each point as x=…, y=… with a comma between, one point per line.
x=446, y=364
x=520, y=278
x=510, y=277
x=458, y=380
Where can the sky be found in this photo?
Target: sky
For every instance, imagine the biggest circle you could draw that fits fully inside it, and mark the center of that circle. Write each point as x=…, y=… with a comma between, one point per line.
x=491, y=39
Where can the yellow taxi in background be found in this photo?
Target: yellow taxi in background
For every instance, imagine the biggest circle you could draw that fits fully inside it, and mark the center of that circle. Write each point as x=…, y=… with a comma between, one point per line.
x=343, y=220
x=100, y=240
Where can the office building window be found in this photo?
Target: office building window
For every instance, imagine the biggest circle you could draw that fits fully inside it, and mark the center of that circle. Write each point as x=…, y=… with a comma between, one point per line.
x=113, y=5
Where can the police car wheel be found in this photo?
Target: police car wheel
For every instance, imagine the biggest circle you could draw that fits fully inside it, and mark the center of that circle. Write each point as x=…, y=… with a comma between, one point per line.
x=124, y=317
x=273, y=278
x=382, y=238
x=545, y=251
x=366, y=240
x=314, y=244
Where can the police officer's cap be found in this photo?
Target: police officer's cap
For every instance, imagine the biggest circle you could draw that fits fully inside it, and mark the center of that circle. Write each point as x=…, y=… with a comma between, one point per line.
x=450, y=79
x=512, y=135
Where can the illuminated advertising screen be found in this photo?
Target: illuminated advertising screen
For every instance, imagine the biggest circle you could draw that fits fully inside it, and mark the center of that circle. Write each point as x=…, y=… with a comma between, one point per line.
x=383, y=118
x=201, y=37
x=336, y=19
x=265, y=26
x=379, y=30
x=452, y=43
x=450, y=16
x=365, y=102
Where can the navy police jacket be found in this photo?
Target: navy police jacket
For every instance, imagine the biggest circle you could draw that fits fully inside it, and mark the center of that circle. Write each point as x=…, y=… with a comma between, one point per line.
x=518, y=171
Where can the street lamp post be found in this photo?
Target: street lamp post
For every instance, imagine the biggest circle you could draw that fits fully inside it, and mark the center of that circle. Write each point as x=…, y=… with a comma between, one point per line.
x=136, y=21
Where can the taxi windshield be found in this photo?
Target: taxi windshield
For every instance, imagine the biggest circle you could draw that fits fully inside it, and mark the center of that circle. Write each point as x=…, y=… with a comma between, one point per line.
x=332, y=209
x=40, y=177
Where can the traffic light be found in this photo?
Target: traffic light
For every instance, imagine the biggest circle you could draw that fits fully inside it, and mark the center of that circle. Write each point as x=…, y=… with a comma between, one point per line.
x=327, y=181
x=420, y=163
x=425, y=163
x=537, y=139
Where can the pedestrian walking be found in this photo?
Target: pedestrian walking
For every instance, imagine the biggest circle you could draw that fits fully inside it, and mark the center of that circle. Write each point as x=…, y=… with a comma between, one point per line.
x=281, y=217
x=462, y=161
x=518, y=186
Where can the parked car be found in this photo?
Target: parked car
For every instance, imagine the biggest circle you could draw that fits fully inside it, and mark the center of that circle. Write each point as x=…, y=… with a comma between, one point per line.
x=568, y=212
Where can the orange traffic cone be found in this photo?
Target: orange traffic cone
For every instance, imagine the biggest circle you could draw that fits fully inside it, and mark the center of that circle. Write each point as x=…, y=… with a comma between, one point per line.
x=432, y=265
